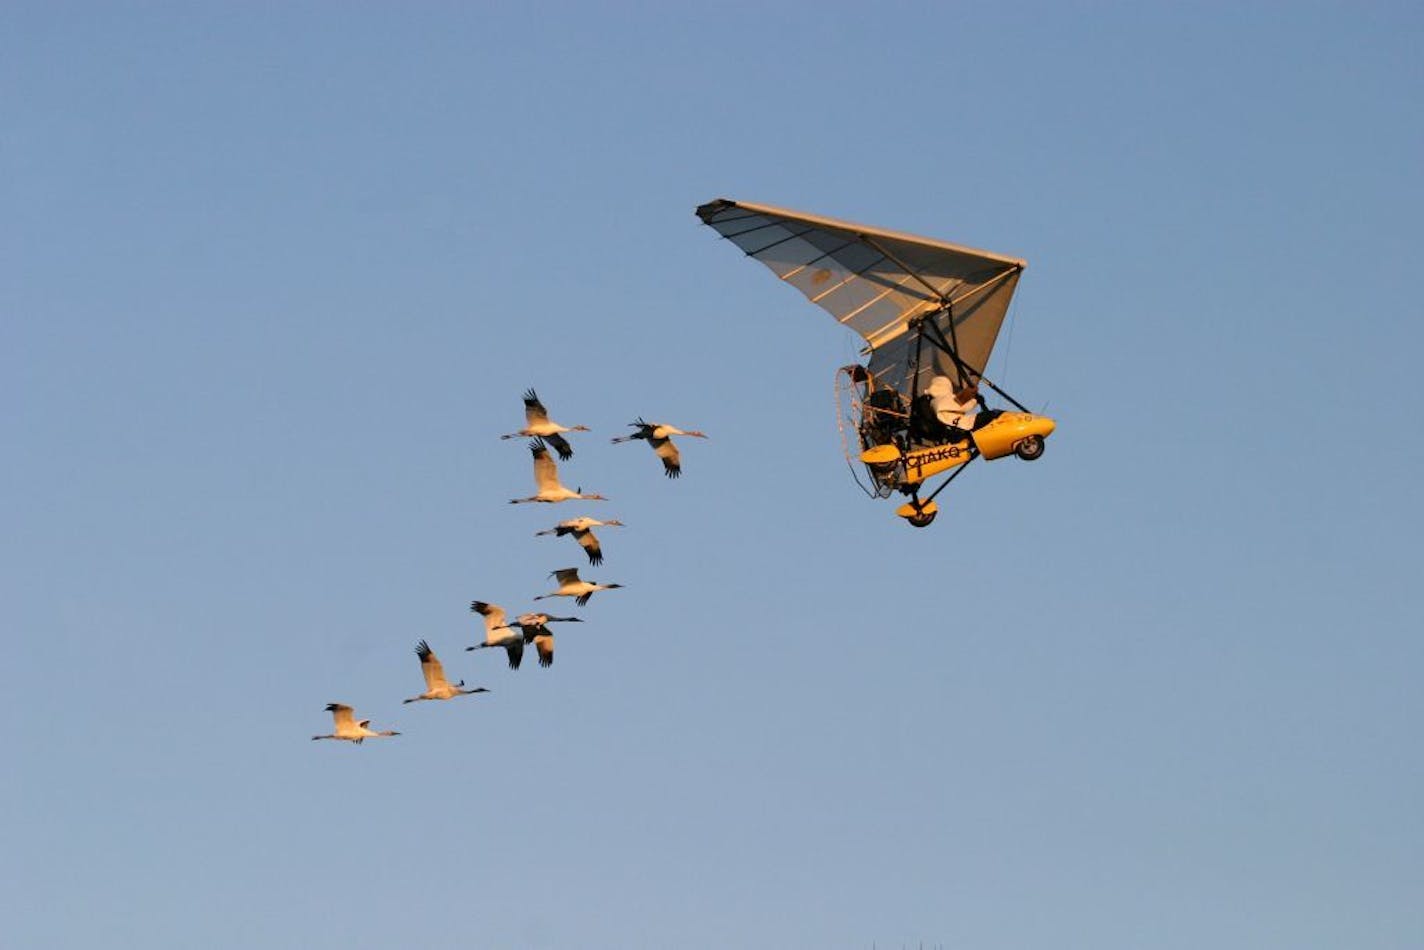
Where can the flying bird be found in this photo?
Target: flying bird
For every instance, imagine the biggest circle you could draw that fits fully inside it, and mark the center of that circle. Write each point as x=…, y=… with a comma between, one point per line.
x=498, y=633
x=571, y=586
x=536, y=423
x=546, y=478
x=536, y=631
x=348, y=729
x=436, y=685
x=581, y=529
x=659, y=436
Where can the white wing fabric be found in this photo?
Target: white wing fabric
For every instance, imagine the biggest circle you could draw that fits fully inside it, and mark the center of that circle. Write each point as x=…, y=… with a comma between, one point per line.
x=877, y=282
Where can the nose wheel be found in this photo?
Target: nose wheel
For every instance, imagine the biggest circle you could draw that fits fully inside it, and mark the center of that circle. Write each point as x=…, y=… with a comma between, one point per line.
x=1029, y=448
x=918, y=514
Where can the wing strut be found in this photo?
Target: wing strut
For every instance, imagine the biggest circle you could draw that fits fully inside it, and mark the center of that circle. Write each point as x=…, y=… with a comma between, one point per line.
x=938, y=341
x=937, y=295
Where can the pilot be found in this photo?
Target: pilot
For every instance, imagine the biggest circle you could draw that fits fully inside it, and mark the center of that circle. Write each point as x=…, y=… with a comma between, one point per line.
x=955, y=411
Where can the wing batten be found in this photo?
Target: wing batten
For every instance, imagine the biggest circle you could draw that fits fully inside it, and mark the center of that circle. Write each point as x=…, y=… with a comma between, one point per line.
x=778, y=242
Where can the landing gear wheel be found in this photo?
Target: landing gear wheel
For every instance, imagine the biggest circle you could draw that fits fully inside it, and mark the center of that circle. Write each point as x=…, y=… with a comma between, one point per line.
x=1029, y=448
x=918, y=514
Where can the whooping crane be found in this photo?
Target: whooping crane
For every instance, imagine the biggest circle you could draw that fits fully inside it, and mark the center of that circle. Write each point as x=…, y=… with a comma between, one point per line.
x=536, y=631
x=659, y=436
x=348, y=729
x=498, y=633
x=571, y=586
x=436, y=685
x=546, y=477
x=581, y=529
x=536, y=423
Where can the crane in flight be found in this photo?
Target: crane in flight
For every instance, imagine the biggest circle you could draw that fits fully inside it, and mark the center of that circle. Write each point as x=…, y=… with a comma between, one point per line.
x=535, y=629
x=538, y=424
x=436, y=685
x=348, y=729
x=498, y=633
x=571, y=586
x=546, y=479
x=659, y=435
x=582, y=530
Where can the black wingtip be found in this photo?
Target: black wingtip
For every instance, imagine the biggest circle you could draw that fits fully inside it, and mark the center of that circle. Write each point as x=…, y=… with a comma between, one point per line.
x=713, y=208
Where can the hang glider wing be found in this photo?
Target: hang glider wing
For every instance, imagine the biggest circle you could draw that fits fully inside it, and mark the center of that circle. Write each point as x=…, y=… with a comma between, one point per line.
x=880, y=283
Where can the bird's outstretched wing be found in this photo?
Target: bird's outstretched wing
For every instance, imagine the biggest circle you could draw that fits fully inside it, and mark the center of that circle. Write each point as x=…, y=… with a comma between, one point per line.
x=534, y=411
x=546, y=473
x=342, y=715
x=566, y=575
x=493, y=614
x=589, y=542
x=514, y=648
x=544, y=644
x=672, y=460
x=561, y=446
x=430, y=666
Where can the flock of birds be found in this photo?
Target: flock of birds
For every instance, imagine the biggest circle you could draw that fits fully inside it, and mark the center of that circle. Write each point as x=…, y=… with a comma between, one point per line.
x=530, y=628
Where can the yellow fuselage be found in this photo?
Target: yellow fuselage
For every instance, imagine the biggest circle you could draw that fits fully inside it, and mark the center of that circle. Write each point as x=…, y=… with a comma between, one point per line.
x=994, y=440
x=1002, y=436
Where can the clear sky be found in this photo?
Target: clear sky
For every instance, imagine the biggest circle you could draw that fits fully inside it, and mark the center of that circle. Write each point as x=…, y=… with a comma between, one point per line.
x=274, y=276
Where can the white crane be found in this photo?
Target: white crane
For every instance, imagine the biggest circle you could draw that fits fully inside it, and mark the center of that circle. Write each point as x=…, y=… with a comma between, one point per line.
x=536, y=631
x=436, y=685
x=348, y=729
x=571, y=586
x=659, y=436
x=546, y=478
x=537, y=423
x=498, y=633
x=581, y=529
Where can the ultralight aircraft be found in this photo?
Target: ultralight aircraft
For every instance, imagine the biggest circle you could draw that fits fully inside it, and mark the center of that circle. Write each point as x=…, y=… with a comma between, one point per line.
x=929, y=313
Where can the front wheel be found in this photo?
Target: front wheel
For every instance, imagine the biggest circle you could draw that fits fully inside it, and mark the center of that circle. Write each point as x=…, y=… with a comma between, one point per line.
x=1029, y=448
x=923, y=519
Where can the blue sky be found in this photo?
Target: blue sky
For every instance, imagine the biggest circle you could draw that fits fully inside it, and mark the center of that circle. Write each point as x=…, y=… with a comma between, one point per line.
x=273, y=279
